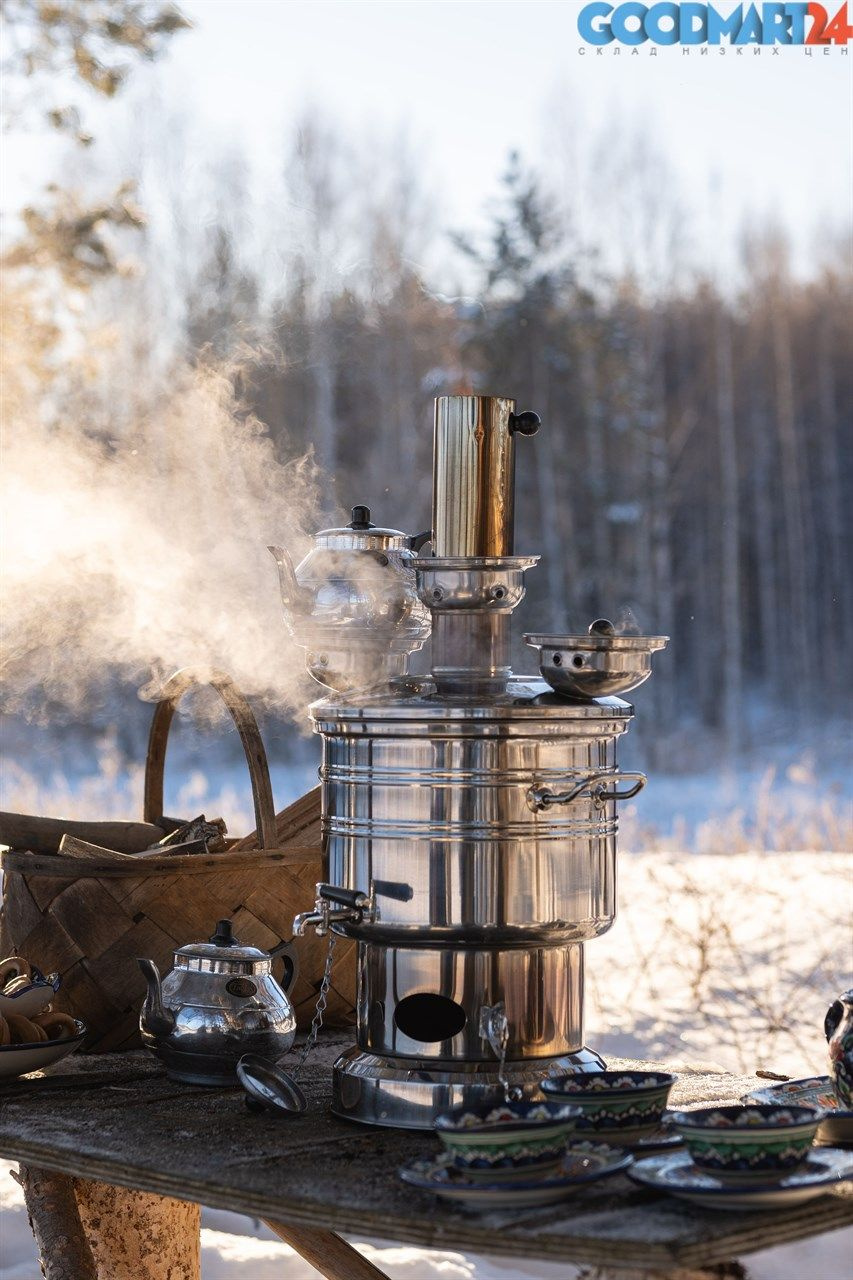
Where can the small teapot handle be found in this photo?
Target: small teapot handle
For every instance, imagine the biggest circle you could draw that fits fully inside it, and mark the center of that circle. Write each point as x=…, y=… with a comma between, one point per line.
x=835, y=1013
x=289, y=954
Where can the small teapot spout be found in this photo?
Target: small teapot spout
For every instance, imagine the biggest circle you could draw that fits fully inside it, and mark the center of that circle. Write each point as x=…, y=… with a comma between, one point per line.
x=153, y=1017
x=291, y=592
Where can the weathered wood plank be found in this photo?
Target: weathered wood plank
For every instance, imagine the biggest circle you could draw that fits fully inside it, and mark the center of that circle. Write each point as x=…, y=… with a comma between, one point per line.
x=122, y=1121
x=49, y=885
x=42, y=835
x=64, y=1252
x=327, y=1253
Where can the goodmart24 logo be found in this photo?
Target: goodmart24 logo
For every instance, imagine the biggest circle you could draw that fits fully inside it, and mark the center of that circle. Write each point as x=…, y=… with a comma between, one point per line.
x=690, y=23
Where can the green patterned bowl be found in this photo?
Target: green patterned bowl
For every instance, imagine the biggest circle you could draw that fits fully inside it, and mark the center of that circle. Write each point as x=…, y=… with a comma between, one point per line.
x=748, y=1144
x=617, y=1107
x=501, y=1141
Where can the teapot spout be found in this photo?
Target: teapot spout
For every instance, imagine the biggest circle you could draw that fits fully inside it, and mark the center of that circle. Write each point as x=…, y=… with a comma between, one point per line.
x=153, y=1017
x=291, y=592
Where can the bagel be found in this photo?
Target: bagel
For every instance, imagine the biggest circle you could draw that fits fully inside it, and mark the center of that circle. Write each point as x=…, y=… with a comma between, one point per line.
x=56, y=1026
x=13, y=967
x=23, y=1031
x=16, y=985
x=5, y=1033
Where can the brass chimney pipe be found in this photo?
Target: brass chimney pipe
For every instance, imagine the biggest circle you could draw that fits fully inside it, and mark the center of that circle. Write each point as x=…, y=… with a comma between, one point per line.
x=473, y=487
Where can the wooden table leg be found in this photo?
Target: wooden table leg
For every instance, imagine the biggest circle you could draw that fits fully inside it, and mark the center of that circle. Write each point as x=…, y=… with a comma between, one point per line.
x=328, y=1252
x=93, y=1231
x=137, y=1235
x=64, y=1251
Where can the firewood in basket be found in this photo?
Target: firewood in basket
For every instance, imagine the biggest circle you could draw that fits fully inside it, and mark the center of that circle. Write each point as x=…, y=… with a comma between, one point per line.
x=198, y=845
x=74, y=847
x=35, y=834
x=212, y=834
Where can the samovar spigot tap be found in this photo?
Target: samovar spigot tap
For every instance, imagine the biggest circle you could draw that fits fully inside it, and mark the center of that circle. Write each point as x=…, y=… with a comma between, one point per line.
x=353, y=907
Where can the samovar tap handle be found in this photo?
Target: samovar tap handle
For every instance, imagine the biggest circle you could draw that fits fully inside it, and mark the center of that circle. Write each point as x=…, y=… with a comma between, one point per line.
x=354, y=907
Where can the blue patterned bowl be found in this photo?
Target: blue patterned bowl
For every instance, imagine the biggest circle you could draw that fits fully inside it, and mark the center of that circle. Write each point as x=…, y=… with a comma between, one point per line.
x=748, y=1144
x=622, y=1107
x=500, y=1141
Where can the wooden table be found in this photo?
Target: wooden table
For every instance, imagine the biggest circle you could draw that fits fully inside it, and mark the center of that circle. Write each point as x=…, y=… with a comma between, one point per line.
x=118, y=1119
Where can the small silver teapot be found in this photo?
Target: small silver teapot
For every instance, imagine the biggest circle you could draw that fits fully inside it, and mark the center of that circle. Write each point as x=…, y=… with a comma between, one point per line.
x=219, y=1002
x=353, y=604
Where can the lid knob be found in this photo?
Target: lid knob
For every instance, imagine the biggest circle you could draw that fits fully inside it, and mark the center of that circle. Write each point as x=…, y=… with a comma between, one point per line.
x=224, y=936
x=361, y=518
x=525, y=424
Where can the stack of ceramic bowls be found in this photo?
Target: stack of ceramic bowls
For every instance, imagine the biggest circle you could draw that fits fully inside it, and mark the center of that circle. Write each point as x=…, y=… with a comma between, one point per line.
x=621, y=1108
x=741, y=1145
x=503, y=1141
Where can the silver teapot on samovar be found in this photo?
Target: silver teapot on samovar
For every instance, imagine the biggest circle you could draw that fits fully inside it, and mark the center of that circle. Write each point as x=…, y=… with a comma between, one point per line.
x=353, y=604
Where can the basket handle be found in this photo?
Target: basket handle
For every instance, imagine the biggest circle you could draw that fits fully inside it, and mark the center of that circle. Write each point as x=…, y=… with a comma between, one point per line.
x=247, y=726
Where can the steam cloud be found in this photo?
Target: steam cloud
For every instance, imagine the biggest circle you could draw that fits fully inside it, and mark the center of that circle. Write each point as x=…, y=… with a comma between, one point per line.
x=149, y=554
x=626, y=623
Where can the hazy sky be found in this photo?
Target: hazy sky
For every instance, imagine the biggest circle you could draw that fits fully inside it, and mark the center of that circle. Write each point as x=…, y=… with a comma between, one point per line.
x=474, y=79
x=469, y=81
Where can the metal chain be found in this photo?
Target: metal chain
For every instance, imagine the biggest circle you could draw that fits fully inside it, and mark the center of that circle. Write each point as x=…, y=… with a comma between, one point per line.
x=512, y=1093
x=322, y=1000
x=503, y=1032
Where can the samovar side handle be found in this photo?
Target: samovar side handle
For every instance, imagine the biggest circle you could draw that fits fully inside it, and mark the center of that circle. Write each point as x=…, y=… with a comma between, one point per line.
x=595, y=786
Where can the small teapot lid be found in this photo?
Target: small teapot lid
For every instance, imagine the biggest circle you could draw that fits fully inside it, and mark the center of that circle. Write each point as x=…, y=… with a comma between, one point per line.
x=361, y=535
x=222, y=954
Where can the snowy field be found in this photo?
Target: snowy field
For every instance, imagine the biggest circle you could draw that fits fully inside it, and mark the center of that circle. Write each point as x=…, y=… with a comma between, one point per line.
x=722, y=956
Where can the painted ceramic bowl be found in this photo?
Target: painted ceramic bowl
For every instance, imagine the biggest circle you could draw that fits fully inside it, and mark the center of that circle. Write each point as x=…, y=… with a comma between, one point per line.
x=33, y=998
x=741, y=1144
x=836, y=1128
x=622, y=1107
x=506, y=1140
x=19, y=1059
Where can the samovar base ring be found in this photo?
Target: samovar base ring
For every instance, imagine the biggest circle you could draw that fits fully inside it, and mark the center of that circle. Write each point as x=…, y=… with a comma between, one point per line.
x=403, y=1093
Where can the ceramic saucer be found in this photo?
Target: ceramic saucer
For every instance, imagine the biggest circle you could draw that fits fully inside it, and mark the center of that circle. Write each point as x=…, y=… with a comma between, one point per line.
x=677, y=1174
x=664, y=1138
x=583, y=1162
x=837, y=1125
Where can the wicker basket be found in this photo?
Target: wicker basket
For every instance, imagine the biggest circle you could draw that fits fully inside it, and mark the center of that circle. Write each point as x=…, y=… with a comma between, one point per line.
x=89, y=920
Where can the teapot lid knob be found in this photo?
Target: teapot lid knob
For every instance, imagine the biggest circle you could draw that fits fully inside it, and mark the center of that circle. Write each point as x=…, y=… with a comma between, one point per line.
x=361, y=518
x=223, y=936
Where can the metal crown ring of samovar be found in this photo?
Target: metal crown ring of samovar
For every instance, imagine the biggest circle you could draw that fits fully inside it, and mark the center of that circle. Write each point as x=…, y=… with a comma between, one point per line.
x=470, y=815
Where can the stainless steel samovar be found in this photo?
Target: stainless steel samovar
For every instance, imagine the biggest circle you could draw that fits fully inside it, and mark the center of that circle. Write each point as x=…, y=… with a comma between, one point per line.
x=470, y=816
